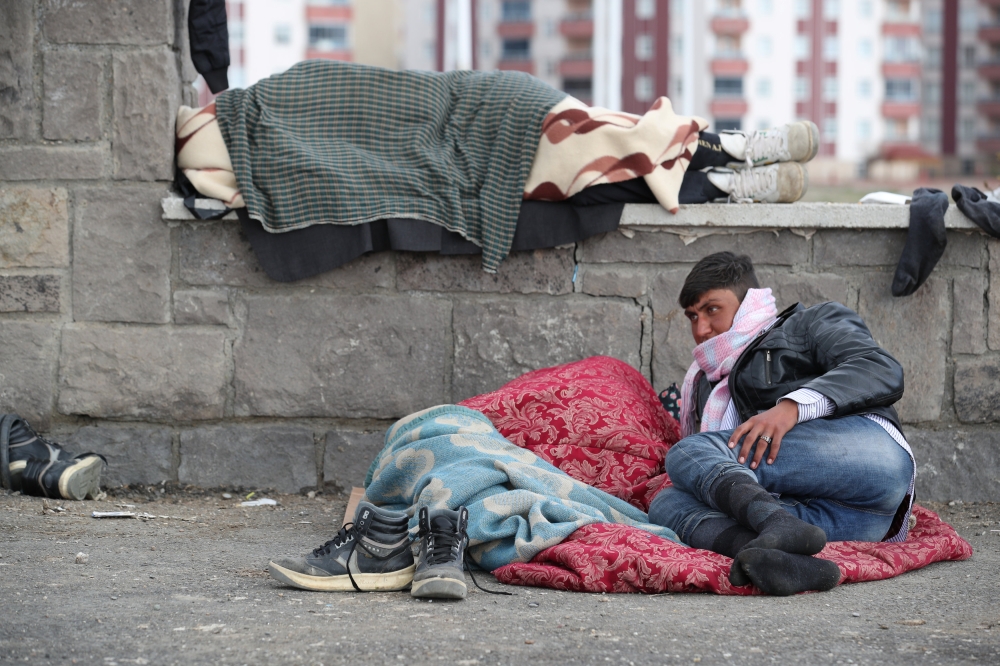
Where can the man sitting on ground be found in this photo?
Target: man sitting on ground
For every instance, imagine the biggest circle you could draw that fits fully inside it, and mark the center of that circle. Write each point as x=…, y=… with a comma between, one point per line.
x=810, y=383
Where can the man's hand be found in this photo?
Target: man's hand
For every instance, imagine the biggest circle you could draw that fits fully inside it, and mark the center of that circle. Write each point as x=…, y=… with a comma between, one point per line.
x=773, y=424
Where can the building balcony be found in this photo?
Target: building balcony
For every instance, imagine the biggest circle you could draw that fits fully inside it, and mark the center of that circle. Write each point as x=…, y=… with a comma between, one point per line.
x=900, y=109
x=728, y=107
x=327, y=13
x=730, y=25
x=729, y=64
x=318, y=54
x=988, y=143
x=516, y=29
x=519, y=65
x=901, y=29
x=989, y=32
x=990, y=70
x=577, y=26
x=989, y=106
x=577, y=66
x=901, y=70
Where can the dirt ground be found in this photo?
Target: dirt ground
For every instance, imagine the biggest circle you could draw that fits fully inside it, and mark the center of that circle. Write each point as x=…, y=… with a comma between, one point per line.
x=188, y=587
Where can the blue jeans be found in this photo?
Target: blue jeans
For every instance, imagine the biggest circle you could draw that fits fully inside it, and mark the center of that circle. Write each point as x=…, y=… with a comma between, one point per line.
x=845, y=475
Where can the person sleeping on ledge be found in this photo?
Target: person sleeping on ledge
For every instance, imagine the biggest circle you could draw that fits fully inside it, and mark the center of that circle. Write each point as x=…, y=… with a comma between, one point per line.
x=790, y=438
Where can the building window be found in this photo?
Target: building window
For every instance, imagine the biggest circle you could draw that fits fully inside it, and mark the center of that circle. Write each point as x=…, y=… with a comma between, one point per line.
x=969, y=19
x=865, y=88
x=644, y=47
x=802, y=88
x=515, y=49
x=515, y=11
x=969, y=53
x=831, y=9
x=830, y=129
x=579, y=88
x=901, y=49
x=724, y=124
x=727, y=46
x=764, y=46
x=932, y=20
x=763, y=124
x=896, y=130
x=864, y=129
x=802, y=47
x=728, y=86
x=969, y=92
x=765, y=7
x=831, y=47
x=866, y=8
x=898, y=11
x=282, y=34
x=900, y=90
x=644, y=88
x=328, y=37
x=931, y=130
x=764, y=87
x=645, y=9
x=932, y=57
x=830, y=89
x=803, y=8
x=865, y=48
x=968, y=129
x=932, y=93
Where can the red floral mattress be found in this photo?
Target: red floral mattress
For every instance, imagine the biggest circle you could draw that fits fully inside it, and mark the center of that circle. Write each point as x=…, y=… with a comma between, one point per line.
x=600, y=421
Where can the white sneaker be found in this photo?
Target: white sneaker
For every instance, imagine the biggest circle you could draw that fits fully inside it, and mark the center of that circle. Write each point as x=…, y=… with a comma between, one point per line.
x=777, y=183
x=794, y=142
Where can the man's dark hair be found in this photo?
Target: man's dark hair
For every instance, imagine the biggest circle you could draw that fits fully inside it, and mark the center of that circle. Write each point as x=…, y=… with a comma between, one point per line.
x=722, y=270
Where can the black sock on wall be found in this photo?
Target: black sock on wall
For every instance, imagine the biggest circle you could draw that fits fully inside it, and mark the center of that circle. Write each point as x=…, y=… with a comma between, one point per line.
x=925, y=241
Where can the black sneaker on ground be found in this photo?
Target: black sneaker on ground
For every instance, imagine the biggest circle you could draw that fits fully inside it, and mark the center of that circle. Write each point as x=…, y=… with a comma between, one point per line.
x=372, y=554
x=67, y=479
x=443, y=538
x=54, y=472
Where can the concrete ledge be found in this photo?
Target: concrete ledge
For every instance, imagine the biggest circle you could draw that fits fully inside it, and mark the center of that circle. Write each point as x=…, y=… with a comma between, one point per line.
x=784, y=216
x=730, y=216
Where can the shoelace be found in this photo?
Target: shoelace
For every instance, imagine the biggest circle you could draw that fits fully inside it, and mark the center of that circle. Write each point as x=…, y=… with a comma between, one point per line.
x=443, y=546
x=345, y=535
x=748, y=182
x=765, y=143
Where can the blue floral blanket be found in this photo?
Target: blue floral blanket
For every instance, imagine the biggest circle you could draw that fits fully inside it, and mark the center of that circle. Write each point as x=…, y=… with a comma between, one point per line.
x=519, y=504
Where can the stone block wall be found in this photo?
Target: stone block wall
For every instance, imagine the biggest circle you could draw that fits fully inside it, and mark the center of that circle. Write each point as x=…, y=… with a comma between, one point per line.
x=159, y=341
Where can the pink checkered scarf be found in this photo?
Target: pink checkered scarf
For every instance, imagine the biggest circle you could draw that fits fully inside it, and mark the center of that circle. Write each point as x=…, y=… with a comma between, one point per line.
x=717, y=356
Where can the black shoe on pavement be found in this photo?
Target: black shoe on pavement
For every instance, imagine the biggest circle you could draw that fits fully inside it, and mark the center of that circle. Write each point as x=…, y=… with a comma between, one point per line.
x=372, y=554
x=75, y=479
x=58, y=474
x=440, y=573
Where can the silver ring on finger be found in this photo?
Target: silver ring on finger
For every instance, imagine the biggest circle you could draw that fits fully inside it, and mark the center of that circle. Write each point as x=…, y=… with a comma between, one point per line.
x=766, y=438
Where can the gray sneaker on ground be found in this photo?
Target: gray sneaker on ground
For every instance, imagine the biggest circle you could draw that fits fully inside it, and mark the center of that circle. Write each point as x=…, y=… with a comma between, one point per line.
x=372, y=554
x=440, y=573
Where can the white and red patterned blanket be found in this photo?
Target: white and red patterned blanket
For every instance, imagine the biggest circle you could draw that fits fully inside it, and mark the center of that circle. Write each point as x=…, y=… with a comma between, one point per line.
x=600, y=421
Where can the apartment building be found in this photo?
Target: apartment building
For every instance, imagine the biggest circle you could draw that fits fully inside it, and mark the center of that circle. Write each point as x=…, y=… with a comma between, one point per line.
x=269, y=36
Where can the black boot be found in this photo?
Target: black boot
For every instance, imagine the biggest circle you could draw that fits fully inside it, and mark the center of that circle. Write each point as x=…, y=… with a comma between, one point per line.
x=21, y=445
x=75, y=479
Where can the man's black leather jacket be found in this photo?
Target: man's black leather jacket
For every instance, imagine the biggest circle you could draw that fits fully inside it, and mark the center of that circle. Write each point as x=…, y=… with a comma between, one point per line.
x=826, y=348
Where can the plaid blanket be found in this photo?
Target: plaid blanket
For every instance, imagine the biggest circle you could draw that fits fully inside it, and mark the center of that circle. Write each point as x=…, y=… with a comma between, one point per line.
x=334, y=142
